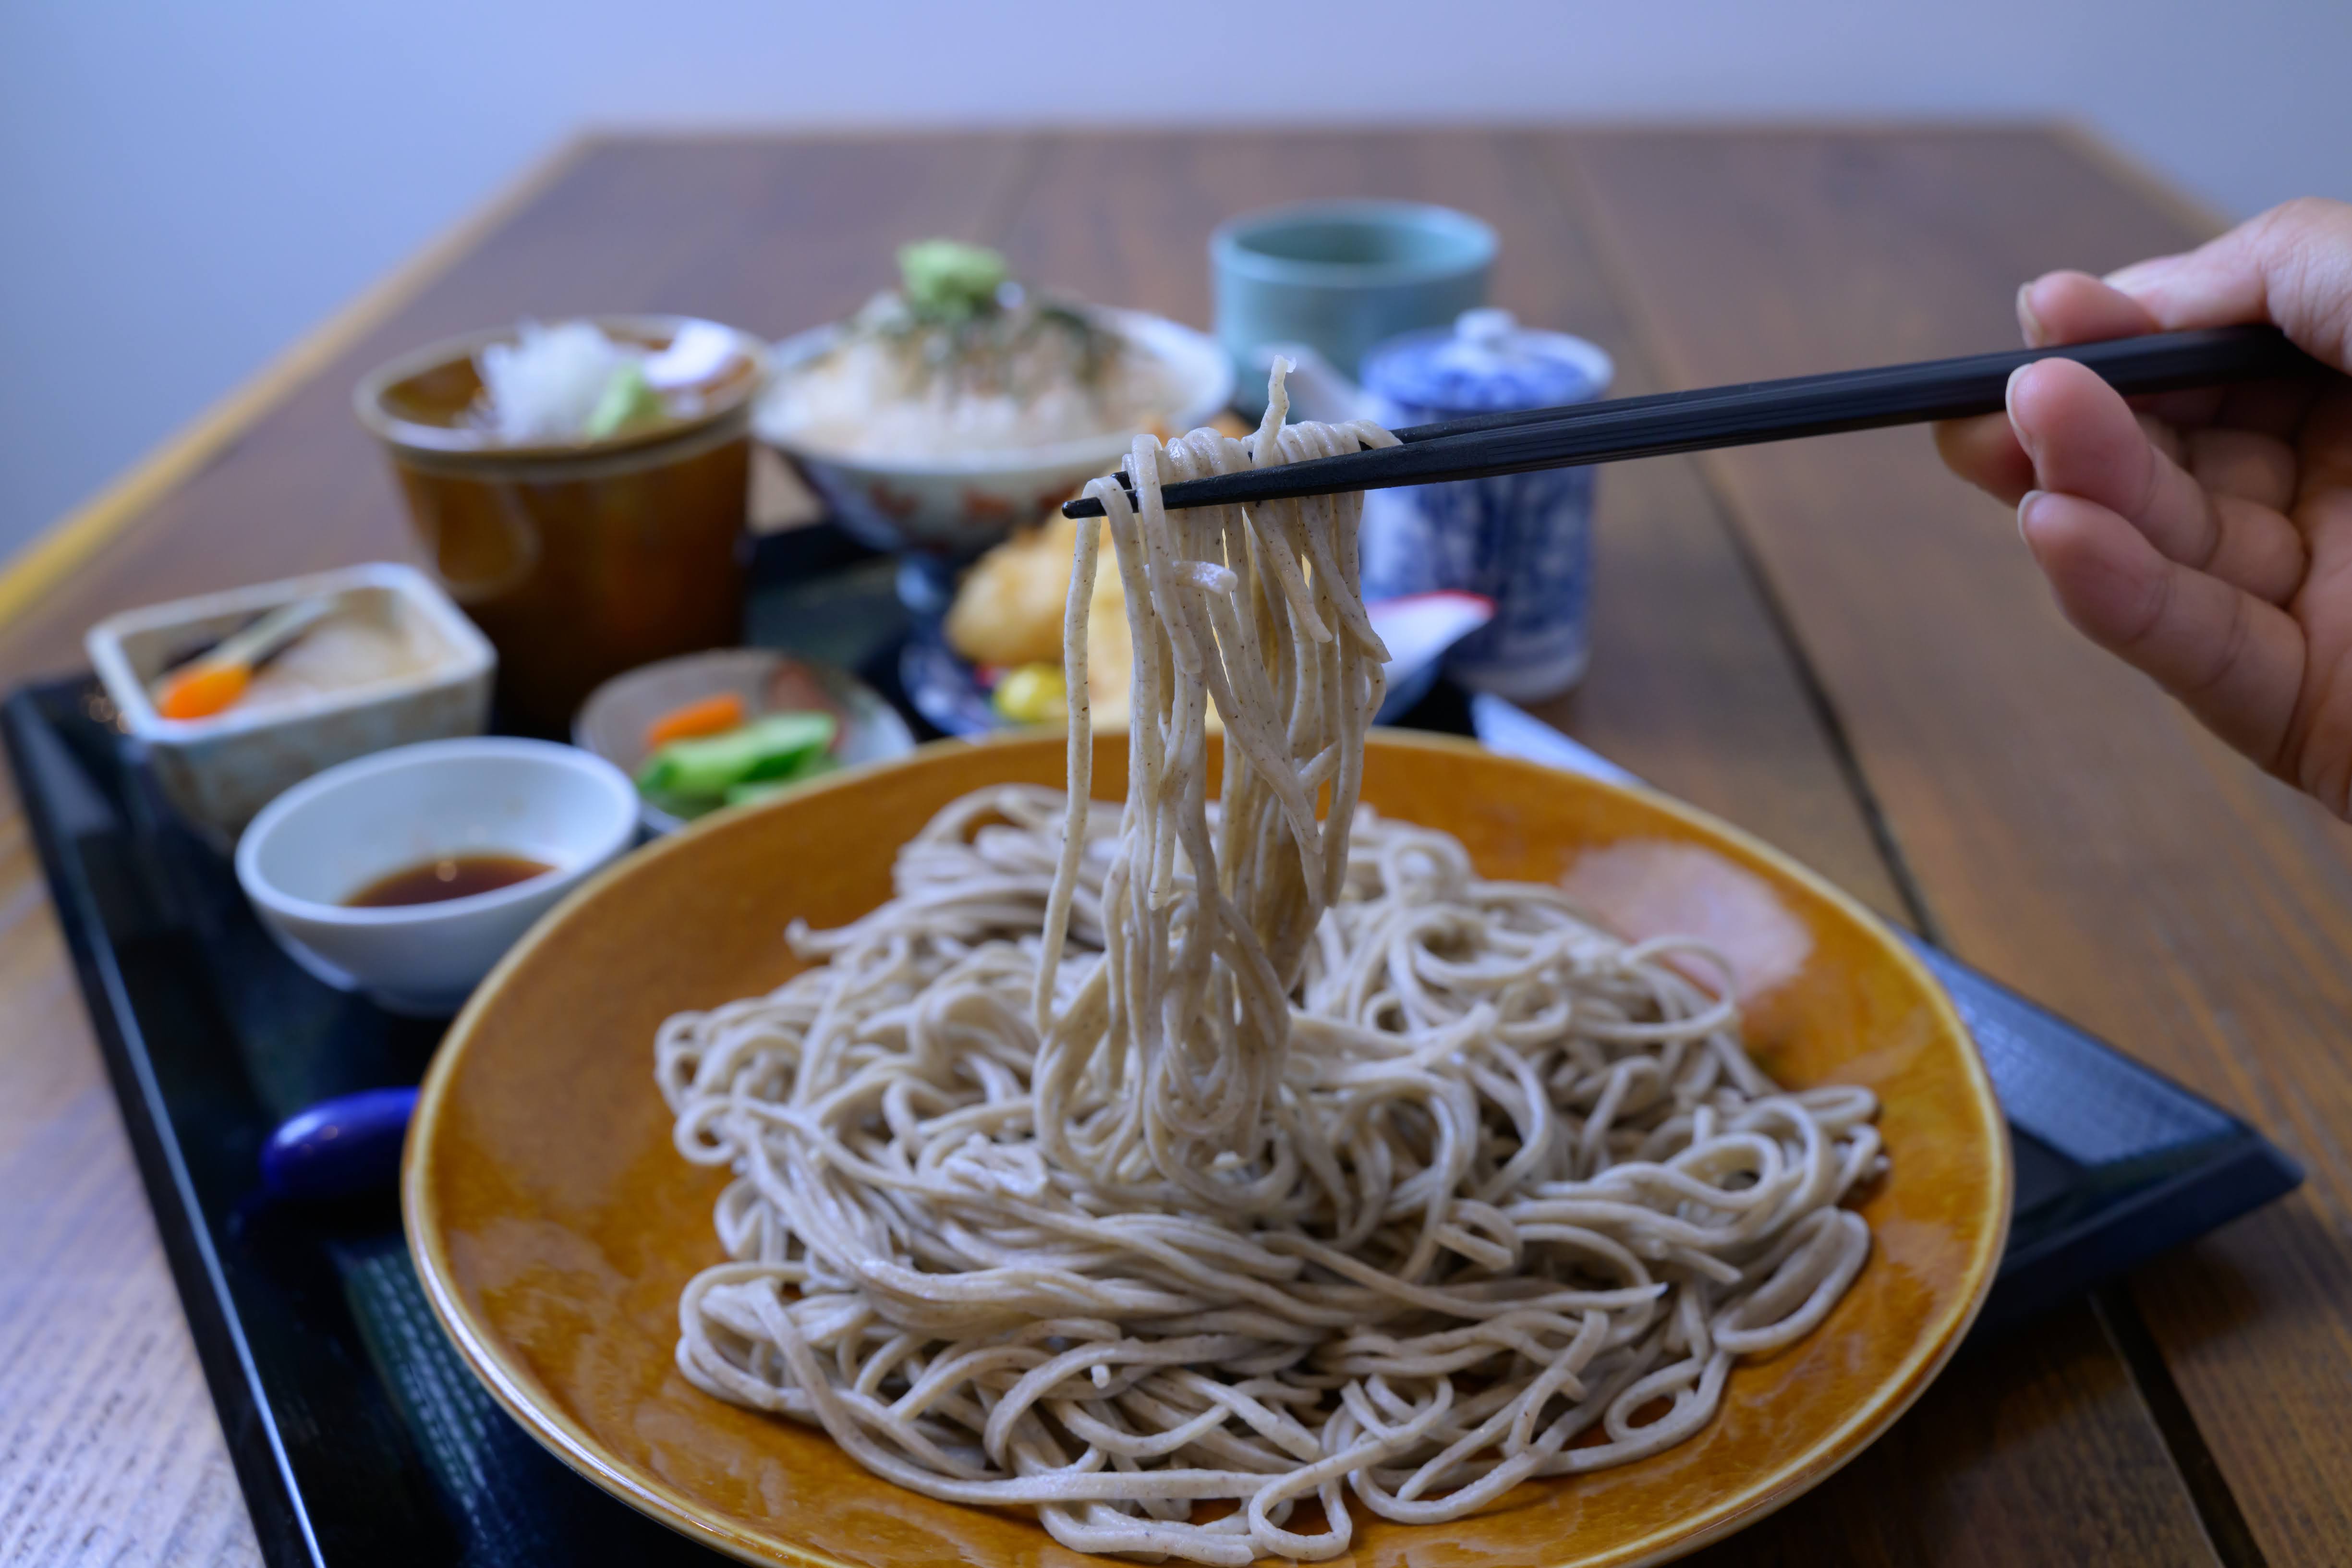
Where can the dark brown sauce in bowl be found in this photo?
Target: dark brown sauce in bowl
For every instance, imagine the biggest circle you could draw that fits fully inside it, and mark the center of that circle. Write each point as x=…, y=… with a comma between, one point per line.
x=443, y=877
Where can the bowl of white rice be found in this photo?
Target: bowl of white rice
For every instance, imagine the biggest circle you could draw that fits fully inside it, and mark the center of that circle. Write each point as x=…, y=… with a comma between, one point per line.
x=942, y=436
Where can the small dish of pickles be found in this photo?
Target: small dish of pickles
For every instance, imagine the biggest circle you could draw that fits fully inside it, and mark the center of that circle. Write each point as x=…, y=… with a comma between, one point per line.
x=731, y=727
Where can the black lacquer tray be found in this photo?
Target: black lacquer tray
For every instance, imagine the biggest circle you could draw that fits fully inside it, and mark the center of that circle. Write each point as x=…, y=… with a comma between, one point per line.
x=359, y=1437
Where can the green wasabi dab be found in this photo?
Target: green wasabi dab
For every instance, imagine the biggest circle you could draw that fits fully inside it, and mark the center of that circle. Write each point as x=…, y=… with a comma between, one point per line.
x=946, y=278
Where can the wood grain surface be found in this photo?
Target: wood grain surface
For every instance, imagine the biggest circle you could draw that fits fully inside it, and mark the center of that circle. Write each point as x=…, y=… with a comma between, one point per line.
x=1832, y=644
x=2069, y=830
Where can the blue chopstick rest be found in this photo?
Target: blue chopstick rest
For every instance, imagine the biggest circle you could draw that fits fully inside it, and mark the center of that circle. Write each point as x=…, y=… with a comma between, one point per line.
x=339, y=1148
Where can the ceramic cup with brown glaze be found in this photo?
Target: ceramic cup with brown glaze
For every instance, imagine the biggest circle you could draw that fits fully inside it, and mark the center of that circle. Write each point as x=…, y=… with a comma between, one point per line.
x=579, y=560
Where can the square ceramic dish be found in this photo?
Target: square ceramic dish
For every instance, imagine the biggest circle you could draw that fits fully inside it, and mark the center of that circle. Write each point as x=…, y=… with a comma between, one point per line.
x=218, y=771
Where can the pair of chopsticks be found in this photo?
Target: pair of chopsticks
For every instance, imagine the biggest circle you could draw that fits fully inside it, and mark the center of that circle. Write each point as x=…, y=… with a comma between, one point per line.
x=1515, y=443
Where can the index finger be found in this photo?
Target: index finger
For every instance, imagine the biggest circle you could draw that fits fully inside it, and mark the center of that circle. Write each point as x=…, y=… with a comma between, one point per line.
x=2291, y=266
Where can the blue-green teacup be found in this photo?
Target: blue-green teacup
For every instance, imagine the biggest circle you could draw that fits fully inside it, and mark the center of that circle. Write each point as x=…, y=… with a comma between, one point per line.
x=1340, y=276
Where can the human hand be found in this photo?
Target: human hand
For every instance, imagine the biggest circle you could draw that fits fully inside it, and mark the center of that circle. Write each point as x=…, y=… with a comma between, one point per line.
x=2204, y=537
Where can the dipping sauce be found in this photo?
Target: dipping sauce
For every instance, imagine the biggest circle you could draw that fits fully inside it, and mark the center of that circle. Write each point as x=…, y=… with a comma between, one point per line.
x=447, y=877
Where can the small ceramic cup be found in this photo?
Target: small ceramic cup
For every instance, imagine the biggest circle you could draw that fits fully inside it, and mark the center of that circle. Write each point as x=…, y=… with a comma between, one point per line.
x=1340, y=276
x=330, y=836
x=579, y=561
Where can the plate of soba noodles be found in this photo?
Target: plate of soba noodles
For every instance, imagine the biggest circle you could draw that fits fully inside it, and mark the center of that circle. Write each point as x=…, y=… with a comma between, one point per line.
x=1289, y=1141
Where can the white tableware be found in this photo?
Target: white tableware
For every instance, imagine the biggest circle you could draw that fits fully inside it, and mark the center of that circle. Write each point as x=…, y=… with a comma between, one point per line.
x=958, y=506
x=326, y=839
x=219, y=770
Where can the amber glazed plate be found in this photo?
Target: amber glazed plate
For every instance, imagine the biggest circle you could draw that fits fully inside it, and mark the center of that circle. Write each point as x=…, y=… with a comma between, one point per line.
x=554, y=1225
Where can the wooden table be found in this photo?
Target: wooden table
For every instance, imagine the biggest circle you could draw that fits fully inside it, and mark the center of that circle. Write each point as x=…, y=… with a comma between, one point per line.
x=1832, y=643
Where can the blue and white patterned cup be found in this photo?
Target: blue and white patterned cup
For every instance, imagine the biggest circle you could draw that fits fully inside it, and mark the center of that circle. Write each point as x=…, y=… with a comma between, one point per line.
x=1524, y=541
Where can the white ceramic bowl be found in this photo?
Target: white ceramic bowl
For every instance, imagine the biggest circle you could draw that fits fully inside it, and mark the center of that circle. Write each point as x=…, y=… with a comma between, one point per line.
x=328, y=838
x=962, y=505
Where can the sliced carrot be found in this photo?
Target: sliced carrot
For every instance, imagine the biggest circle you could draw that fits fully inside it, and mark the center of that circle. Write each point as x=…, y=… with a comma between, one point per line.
x=204, y=690
x=706, y=716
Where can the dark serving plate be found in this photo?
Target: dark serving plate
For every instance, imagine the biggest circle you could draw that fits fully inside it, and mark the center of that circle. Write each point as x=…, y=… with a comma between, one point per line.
x=360, y=1437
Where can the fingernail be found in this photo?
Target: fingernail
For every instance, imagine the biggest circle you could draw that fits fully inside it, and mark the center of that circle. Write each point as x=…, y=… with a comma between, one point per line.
x=2024, y=504
x=2027, y=322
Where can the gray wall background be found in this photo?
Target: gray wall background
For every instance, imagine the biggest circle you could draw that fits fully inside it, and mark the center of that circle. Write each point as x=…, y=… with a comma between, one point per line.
x=186, y=187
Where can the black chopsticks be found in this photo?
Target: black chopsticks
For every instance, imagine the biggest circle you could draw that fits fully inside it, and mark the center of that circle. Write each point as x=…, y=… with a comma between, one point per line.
x=1514, y=443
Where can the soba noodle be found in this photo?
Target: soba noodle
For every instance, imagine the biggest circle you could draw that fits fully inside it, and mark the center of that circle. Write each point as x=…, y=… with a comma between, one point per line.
x=1195, y=1178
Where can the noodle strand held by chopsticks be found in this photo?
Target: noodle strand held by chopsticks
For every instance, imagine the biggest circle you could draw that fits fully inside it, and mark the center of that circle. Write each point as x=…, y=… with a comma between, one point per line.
x=1250, y=1150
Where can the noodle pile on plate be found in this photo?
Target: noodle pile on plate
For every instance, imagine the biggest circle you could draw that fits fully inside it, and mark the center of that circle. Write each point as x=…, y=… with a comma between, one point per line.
x=1198, y=1178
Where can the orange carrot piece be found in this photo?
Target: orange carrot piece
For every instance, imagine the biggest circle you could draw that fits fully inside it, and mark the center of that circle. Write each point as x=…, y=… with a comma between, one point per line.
x=203, y=691
x=706, y=716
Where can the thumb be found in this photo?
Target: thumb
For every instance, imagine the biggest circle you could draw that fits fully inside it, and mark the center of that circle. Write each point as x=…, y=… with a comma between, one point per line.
x=2292, y=266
